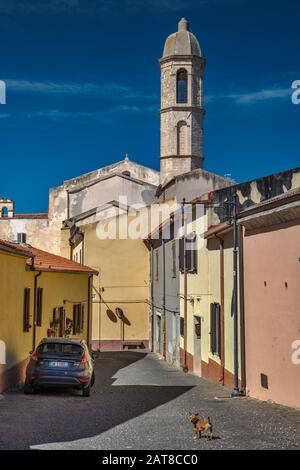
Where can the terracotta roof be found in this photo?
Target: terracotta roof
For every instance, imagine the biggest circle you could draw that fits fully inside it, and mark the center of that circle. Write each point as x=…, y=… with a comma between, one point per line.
x=15, y=248
x=44, y=261
x=39, y=215
x=26, y=216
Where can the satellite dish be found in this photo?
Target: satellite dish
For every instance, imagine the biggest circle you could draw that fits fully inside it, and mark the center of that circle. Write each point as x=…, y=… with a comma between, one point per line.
x=119, y=313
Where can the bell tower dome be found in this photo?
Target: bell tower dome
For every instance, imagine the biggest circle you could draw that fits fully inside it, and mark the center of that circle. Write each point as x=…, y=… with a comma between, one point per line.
x=181, y=112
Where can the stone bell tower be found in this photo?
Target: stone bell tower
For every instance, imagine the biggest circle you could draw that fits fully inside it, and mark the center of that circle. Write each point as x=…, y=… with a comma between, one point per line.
x=182, y=112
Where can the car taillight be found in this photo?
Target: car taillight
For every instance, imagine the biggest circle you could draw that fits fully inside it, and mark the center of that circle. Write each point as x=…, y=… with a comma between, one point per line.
x=83, y=361
x=34, y=356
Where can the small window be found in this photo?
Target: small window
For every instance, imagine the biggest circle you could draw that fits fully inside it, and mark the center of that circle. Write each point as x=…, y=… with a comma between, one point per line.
x=182, y=86
x=264, y=381
x=26, y=310
x=188, y=254
x=21, y=237
x=39, y=306
x=126, y=173
x=78, y=318
x=215, y=328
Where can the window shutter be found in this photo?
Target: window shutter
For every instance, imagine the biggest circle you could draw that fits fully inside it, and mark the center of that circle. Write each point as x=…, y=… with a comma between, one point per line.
x=74, y=319
x=82, y=318
x=218, y=330
x=26, y=310
x=181, y=326
x=191, y=253
x=213, y=328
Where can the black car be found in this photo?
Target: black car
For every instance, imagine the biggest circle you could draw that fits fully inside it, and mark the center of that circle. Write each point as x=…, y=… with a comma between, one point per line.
x=60, y=362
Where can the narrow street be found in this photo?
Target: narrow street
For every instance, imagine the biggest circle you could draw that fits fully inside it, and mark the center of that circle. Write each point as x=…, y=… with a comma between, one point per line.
x=139, y=402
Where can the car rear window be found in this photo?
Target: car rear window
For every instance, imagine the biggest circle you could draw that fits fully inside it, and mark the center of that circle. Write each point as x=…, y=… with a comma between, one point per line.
x=60, y=349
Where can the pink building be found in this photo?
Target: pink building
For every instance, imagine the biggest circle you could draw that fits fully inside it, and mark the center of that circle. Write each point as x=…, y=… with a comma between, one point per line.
x=271, y=247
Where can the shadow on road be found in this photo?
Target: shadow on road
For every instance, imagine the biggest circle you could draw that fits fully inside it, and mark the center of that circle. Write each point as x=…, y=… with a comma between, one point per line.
x=64, y=416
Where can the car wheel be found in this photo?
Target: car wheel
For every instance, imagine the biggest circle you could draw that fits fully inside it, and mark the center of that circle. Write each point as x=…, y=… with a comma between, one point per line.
x=86, y=391
x=28, y=389
x=93, y=380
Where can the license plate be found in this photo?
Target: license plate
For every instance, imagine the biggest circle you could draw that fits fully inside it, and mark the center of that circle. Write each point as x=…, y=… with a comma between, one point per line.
x=58, y=364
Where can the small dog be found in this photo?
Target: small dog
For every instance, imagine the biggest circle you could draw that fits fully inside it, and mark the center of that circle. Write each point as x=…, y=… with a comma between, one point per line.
x=200, y=425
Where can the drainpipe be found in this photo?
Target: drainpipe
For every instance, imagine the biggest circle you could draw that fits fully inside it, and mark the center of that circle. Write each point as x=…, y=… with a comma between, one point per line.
x=90, y=278
x=242, y=308
x=236, y=392
x=164, y=301
x=35, y=310
x=184, y=282
x=221, y=242
x=152, y=298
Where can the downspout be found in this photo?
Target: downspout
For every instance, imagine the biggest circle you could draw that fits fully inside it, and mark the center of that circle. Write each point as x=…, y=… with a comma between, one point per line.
x=36, y=276
x=242, y=308
x=164, y=301
x=221, y=242
x=236, y=392
x=90, y=278
x=152, y=298
x=184, y=282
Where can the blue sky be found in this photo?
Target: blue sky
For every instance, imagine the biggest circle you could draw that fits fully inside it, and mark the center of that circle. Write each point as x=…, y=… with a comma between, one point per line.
x=83, y=87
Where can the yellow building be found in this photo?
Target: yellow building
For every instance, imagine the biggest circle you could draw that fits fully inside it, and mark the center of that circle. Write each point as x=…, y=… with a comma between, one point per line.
x=41, y=295
x=121, y=292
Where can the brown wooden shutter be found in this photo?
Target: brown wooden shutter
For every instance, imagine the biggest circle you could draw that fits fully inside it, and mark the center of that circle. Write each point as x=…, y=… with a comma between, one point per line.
x=181, y=326
x=26, y=310
x=74, y=319
x=82, y=319
x=213, y=328
x=218, y=329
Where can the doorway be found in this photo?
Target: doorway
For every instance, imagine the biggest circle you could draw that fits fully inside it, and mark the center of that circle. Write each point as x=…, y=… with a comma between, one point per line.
x=197, y=345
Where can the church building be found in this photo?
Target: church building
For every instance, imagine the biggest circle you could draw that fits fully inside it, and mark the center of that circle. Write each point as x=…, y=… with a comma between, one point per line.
x=122, y=310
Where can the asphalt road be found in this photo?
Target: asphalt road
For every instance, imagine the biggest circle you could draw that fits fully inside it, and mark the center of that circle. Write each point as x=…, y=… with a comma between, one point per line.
x=139, y=402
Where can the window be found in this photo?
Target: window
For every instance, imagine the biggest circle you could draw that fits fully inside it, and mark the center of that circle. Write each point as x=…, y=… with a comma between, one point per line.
x=60, y=349
x=78, y=318
x=4, y=212
x=174, y=272
x=215, y=328
x=26, y=310
x=190, y=255
x=21, y=237
x=39, y=306
x=182, y=86
x=59, y=320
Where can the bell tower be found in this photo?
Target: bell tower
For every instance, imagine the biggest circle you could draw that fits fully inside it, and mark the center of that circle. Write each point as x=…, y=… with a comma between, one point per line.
x=181, y=112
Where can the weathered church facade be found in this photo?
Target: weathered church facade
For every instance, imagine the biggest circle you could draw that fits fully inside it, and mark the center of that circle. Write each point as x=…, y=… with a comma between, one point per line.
x=121, y=293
